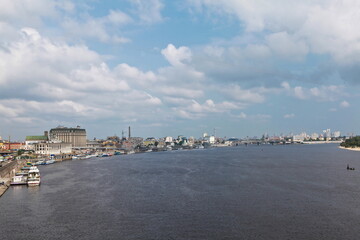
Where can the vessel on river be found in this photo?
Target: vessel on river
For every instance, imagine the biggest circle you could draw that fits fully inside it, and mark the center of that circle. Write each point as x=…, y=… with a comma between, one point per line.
x=33, y=177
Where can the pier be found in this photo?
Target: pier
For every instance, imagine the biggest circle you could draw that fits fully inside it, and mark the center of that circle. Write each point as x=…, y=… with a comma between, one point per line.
x=7, y=172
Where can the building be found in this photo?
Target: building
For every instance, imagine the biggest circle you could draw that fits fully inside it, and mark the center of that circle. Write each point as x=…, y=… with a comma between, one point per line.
x=168, y=140
x=75, y=136
x=31, y=140
x=336, y=134
x=49, y=148
x=13, y=146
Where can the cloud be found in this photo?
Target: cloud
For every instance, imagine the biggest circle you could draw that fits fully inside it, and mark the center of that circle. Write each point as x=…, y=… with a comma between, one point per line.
x=289, y=115
x=176, y=56
x=242, y=115
x=197, y=110
x=327, y=27
x=149, y=11
x=104, y=29
x=344, y=104
x=286, y=46
x=322, y=93
x=245, y=95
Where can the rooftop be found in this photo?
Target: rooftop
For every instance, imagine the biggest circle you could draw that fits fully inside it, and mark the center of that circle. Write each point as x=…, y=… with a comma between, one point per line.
x=36, y=138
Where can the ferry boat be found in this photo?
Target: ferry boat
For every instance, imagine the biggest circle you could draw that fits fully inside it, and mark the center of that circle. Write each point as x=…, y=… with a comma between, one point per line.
x=19, y=180
x=33, y=177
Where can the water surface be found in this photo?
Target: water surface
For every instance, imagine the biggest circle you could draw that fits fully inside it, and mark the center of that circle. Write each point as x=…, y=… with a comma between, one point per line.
x=254, y=192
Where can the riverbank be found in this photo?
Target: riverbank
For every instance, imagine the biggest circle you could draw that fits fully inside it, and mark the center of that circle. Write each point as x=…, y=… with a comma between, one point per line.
x=7, y=172
x=352, y=149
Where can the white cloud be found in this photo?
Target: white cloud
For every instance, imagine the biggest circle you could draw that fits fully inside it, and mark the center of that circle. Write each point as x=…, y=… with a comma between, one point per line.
x=242, y=115
x=117, y=17
x=105, y=29
x=176, y=56
x=344, y=104
x=180, y=92
x=295, y=28
x=124, y=71
x=28, y=11
x=289, y=115
x=197, y=110
x=322, y=93
x=286, y=46
x=149, y=11
x=254, y=95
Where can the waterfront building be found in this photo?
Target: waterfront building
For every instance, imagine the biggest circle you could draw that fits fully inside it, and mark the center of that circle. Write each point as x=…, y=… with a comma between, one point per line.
x=149, y=141
x=49, y=148
x=212, y=139
x=131, y=143
x=75, y=136
x=93, y=144
x=31, y=140
x=168, y=140
x=314, y=136
x=301, y=137
x=327, y=133
x=13, y=146
x=336, y=134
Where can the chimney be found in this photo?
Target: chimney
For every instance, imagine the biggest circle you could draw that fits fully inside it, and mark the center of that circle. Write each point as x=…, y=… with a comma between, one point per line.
x=129, y=133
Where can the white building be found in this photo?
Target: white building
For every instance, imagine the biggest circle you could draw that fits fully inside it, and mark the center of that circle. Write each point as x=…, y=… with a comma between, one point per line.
x=336, y=134
x=49, y=148
x=30, y=141
x=315, y=136
x=327, y=133
x=301, y=137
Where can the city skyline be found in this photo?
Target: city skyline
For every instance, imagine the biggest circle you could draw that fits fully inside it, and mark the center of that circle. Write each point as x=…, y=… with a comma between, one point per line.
x=179, y=67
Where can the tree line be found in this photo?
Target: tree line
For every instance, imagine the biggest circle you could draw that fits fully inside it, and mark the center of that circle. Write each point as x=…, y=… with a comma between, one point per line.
x=351, y=142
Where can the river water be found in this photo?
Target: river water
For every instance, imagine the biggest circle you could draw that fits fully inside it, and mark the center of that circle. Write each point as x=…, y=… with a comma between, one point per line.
x=254, y=192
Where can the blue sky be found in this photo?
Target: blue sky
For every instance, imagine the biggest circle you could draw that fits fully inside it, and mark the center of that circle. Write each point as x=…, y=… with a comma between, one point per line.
x=179, y=67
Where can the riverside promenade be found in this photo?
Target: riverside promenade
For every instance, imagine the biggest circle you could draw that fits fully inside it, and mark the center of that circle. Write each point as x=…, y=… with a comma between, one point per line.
x=7, y=172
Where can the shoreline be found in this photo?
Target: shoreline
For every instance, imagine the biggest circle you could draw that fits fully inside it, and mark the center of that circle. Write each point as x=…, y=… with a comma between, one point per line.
x=351, y=149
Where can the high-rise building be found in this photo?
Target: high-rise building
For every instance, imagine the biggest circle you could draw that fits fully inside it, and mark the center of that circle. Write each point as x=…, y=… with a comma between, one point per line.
x=75, y=136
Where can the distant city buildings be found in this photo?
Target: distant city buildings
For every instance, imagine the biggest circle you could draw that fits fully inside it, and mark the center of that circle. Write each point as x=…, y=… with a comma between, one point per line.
x=68, y=140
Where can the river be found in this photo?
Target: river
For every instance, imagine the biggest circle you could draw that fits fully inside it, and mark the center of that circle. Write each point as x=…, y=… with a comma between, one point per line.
x=254, y=192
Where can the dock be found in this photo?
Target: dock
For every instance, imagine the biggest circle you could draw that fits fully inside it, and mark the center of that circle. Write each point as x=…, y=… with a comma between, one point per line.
x=7, y=172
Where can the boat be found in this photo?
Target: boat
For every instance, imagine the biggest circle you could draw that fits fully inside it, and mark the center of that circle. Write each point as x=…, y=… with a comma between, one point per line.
x=50, y=161
x=19, y=180
x=33, y=177
x=40, y=162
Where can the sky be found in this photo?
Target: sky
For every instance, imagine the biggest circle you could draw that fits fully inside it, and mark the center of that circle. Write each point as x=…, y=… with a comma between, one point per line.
x=179, y=67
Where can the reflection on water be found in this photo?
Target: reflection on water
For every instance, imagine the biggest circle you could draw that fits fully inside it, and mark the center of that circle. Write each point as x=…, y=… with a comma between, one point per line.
x=255, y=192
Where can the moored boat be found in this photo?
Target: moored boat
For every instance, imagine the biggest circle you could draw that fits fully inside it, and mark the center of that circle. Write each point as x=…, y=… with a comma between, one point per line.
x=33, y=177
x=50, y=161
x=19, y=180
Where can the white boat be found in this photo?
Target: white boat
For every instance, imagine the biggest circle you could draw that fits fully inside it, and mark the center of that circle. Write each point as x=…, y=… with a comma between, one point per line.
x=50, y=161
x=19, y=180
x=33, y=177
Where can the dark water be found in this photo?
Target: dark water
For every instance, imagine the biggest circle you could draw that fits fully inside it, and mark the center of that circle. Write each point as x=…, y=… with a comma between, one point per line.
x=255, y=192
